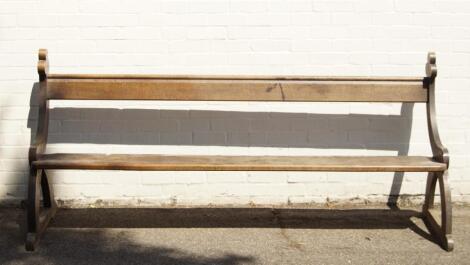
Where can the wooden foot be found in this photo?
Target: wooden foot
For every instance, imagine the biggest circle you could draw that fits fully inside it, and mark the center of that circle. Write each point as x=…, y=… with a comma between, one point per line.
x=443, y=232
x=32, y=238
x=37, y=219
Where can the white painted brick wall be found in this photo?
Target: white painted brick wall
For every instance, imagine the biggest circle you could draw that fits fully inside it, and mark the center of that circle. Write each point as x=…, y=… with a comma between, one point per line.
x=311, y=37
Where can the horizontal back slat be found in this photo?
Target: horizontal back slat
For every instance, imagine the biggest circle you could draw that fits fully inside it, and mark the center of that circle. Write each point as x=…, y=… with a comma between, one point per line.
x=241, y=89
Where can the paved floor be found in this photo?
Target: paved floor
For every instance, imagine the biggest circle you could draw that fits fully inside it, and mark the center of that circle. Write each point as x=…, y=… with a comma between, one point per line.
x=234, y=236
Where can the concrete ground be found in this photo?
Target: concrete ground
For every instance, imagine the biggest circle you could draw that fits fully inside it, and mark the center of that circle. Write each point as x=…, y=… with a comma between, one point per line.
x=234, y=236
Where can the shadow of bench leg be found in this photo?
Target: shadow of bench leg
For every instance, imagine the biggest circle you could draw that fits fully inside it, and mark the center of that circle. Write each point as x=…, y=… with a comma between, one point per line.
x=443, y=232
x=38, y=219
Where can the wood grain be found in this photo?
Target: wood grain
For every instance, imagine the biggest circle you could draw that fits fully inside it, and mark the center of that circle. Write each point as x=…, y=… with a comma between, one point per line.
x=237, y=77
x=237, y=90
x=238, y=163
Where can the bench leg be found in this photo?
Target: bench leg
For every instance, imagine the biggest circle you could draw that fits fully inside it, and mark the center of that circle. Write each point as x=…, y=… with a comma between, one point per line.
x=443, y=232
x=37, y=218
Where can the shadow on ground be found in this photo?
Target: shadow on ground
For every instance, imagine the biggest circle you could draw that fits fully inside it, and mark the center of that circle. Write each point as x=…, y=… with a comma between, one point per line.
x=240, y=218
x=105, y=236
x=227, y=217
x=94, y=246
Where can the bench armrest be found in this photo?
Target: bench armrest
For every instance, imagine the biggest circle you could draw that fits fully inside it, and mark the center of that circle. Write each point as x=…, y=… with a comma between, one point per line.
x=439, y=151
x=39, y=145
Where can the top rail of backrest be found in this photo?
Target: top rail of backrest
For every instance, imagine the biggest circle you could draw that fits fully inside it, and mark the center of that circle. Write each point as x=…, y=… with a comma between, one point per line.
x=236, y=88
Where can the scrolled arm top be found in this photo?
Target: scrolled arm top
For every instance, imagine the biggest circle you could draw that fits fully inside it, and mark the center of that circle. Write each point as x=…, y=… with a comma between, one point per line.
x=43, y=65
x=431, y=69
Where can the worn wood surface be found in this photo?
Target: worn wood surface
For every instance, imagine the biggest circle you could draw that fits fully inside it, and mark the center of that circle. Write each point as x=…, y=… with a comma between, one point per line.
x=237, y=77
x=39, y=145
x=439, y=151
x=37, y=217
x=237, y=90
x=248, y=163
x=442, y=230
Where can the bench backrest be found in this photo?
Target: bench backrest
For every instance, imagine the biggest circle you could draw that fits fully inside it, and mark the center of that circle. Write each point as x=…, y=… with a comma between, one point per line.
x=228, y=88
x=232, y=88
x=235, y=88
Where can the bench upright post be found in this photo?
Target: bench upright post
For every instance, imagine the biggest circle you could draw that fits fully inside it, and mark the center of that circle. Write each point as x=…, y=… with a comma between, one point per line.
x=443, y=232
x=38, y=220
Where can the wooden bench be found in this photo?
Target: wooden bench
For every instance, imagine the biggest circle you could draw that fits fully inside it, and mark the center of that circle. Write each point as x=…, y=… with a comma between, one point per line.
x=235, y=88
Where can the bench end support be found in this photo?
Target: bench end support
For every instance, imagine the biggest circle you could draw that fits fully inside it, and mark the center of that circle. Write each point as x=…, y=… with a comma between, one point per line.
x=443, y=232
x=37, y=219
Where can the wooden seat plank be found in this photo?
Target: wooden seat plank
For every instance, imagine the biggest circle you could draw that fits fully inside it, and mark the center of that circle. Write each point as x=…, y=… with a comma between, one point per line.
x=238, y=163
